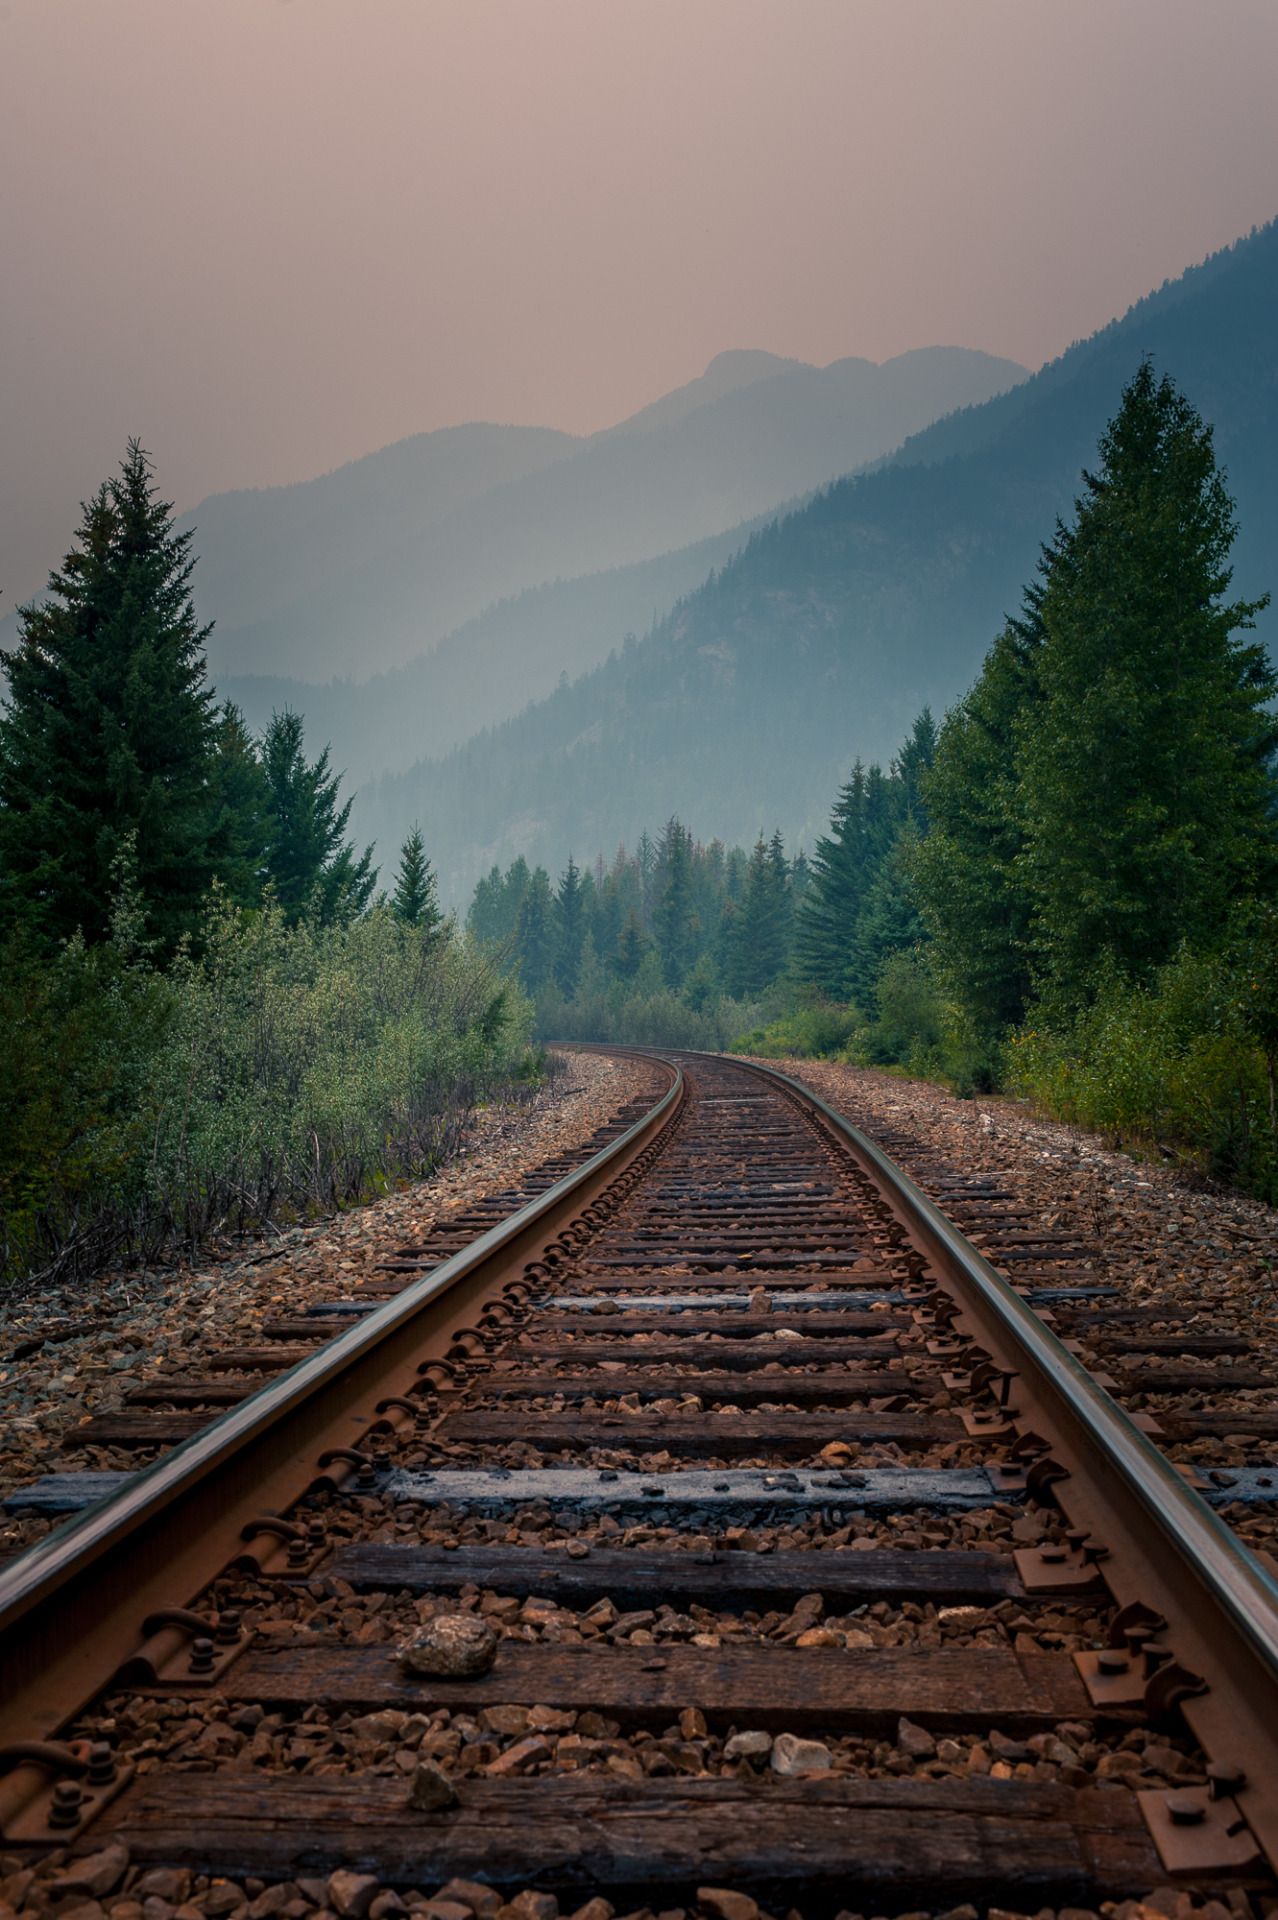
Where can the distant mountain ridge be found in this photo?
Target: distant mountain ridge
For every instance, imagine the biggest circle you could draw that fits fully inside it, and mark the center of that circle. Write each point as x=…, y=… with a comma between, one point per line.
x=745, y=706
x=363, y=570
x=411, y=597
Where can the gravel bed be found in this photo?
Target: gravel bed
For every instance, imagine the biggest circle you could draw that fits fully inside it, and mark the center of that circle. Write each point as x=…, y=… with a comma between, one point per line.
x=1056, y=1184
x=108, y=1887
x=130, y=1328
x=1167, y=1236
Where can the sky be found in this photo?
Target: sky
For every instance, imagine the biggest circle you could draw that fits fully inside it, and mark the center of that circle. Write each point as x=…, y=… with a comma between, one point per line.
x=267, y=236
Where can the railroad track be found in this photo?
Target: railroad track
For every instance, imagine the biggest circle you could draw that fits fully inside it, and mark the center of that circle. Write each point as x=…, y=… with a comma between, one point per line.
x=797, y=1555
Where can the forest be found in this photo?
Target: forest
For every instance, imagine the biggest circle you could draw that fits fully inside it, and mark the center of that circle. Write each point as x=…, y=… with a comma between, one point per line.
x=210, y=1016
x=1066, y=891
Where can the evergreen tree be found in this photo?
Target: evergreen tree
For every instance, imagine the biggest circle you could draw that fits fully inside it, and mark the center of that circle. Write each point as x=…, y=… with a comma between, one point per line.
x=570, y=929
x=836, y=891
x=1145, y=765
x=631, y=948
x=241, y=809
x=889, y=921
x=107, y=736
x=911, y=767
x=508, y=901
x=757, y=948
x=313, y=866
x=673, y=919
x=415, y=900
x=535, y=932
x=481, y=918
x=968, y=876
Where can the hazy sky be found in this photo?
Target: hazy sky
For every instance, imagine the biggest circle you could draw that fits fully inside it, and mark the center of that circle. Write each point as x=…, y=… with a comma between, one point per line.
x=267, y=235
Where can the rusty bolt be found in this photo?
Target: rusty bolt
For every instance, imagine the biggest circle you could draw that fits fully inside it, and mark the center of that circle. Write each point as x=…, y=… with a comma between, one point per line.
x=201, y=1655
x=101, y=1764
x=298, y=1552
x=1113, y=1660
x=1185, y=1809
x=1223, y=1777
x=66, y=1808
x=227, y=1631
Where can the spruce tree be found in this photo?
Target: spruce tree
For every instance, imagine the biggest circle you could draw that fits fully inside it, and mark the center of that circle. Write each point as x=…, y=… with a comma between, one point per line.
x=313, y=866
x=631, y=948
x=843, y=867
x=968, y=874
x=757, y=950
x=535, y=932
x=673, y=919
x=1145, y=764
x=570, y=929
x=241, y=809
x=414, y=901
x=107, y=736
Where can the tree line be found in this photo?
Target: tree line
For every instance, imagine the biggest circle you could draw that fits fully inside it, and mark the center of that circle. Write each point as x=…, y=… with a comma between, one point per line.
x=676, y=937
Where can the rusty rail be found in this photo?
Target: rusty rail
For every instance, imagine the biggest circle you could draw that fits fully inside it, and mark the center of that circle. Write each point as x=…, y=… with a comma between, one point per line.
x=1167, y=1556
x=75, y=1607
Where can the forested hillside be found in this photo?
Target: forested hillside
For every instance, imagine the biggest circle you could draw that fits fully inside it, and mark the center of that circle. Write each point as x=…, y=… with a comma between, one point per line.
x=744, y=708
x=512, y=653
x=1068, y=889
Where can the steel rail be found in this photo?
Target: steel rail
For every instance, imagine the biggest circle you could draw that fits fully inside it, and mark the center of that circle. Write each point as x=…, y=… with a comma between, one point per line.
x=72, y=1605
x=1166, y=1548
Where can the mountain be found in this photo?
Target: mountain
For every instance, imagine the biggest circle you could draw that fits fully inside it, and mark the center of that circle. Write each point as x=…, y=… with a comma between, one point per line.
x=362, y=570
x=745, y=706
x=489, y=668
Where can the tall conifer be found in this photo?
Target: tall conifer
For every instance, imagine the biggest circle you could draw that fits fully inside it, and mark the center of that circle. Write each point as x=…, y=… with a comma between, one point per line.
x=1145, y=764
x=414, y=901
x=107, y=737
x=313, y=866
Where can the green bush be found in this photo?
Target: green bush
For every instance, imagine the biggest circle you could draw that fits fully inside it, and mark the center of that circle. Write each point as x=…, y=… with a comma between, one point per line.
x=812, y=1032
x=1180, y=1062
x=279, y=1071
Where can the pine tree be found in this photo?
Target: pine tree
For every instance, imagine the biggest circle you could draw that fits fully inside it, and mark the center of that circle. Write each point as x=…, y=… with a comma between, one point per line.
x=107, y=737
x=757, y=949
x=673, y=919
x=889, y=921
x=414, y=900
x=481, y=918
x=570, y=929
x=1145, y=765
x=631, y=948
x=313, y=866
x=967, y=873
x=241, y=809
x=535, y=932
x=911, y=767
x=835, y=891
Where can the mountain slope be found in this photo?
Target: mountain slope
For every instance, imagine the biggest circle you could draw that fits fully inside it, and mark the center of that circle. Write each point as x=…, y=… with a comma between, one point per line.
x=492, y=666
x=746, y=705
x=372, y=565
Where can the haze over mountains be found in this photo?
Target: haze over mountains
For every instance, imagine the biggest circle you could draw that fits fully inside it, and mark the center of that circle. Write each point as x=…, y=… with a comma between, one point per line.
x=744, y=707
x=367, y=569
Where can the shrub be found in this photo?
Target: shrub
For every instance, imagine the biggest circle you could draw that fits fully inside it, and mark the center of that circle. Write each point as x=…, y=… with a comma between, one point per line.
x=812, y=1032
x=1179, y=1061
x=278, y=1071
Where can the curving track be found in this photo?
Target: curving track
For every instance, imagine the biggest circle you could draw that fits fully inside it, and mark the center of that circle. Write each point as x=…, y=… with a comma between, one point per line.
x=824, y=1565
